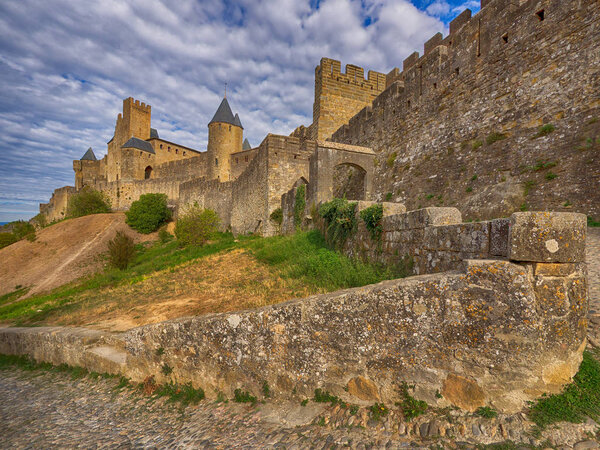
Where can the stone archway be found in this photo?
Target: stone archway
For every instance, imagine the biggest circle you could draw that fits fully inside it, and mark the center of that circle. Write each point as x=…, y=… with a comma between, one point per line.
x=322, y=167
x=147, y=173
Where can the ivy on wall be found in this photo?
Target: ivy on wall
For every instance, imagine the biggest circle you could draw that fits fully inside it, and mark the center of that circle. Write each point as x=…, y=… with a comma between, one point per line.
x=340, y=219
x=300, y=205
x=372, y=216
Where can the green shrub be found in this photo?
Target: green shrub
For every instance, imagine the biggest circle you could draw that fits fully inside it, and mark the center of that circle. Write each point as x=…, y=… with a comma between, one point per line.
x=22, y=229
x=476, y=144
x=300, y=205
x=551, y=176
x=6, y=239
x=388, y=197
x=277, y=217
x=391, y=159
x=87, y=201
x=148, y=213
x=41, y=220
x=196, y=226
x=590, y=222
x=164, y=236
x=494, y=137
x=486, y=412
x=340, y=218
x=378, y=410
x=325, y=397
x=121, y=250
x=411, y=407
x=545, y=130
x=240, y=396
x=372, y=217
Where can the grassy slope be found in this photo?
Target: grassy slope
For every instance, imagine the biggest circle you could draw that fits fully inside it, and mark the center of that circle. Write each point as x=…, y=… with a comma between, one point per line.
x=302, y=259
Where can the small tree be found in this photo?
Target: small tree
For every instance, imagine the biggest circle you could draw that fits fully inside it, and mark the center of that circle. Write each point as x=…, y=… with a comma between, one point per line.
x=148, y=213
x=6, y=239
x=196, y=226
x=21, y=229
x=88, y=201
x=121, y=250
x=40, y=220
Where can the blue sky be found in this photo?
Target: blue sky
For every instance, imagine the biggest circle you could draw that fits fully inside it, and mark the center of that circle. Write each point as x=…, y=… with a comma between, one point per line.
x=66, y=66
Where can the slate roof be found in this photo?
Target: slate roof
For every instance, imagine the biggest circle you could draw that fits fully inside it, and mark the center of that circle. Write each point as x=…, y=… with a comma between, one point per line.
x=246, y=145
x=134, y=142
x=89, y=155
x=224, y=114
x=153, y=133
x=237, y=122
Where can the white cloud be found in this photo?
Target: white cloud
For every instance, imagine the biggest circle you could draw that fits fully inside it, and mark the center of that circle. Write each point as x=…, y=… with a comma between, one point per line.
x=66, y=65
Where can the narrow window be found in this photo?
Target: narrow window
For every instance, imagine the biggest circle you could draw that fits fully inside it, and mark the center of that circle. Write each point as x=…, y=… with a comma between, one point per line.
x=457, y=71
x=176, y=151
x=246, y=159
x=505, y=38
x=169, y=148
x=216, y=161
x=184, y=153
x=435, y=85
x=229, y=127
x=408, y=104
x=295, y=156
x=540, y=15
x=236, y=160
x=161, y=146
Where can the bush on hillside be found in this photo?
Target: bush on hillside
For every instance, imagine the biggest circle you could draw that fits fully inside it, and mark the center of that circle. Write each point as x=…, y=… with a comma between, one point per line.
x=148, y=213
x=40, y=220
x=196, y=226
x=87, y=201
x=21, y=229
x=6, y=239
x=121, y=250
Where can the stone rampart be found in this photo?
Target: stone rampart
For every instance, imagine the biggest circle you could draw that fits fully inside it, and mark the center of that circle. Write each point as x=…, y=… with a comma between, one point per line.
x=460, y=123
x=183, y=169
x=491, y=332
x=56, y=208
x=211, y=194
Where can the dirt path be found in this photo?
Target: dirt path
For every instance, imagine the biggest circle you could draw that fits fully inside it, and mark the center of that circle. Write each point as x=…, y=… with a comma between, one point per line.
x=61, y=253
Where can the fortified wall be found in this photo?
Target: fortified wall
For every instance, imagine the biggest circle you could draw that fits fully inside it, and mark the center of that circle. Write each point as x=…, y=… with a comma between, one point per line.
x=461, y=124
x=498, y=331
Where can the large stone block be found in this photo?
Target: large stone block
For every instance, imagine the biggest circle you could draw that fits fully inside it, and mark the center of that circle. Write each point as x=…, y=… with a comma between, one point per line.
x=499, y=237
x=547, y=237
x=428, y=217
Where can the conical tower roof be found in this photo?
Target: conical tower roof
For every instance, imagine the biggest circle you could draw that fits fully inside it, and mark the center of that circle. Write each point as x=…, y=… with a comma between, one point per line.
x=224, y=114
x=246, y=145
x=237, y=122
x=89, y=155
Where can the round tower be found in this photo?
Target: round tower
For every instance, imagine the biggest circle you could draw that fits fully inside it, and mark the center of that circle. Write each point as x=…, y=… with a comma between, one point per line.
x=225, y=133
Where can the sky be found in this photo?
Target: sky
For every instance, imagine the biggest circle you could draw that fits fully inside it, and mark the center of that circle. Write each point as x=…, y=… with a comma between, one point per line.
x=67, y=65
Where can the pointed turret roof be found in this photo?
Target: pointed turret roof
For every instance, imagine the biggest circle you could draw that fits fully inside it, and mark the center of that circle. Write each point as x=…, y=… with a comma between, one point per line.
x=237, y=122
x=134, y=142
x=246, y=145
x=223, y=114
x=89, y=155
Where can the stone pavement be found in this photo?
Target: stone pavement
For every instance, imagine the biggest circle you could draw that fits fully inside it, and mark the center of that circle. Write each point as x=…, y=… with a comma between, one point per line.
x=593, y=262
x=42, y=409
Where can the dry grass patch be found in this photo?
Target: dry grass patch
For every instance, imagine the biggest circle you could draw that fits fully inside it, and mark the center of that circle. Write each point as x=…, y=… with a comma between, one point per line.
x=219, y=283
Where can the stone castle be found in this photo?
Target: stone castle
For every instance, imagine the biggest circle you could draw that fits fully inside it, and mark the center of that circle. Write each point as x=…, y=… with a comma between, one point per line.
x=457, y=126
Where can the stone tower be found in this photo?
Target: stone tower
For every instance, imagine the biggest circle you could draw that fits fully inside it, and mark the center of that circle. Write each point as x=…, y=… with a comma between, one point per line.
x=225, y=133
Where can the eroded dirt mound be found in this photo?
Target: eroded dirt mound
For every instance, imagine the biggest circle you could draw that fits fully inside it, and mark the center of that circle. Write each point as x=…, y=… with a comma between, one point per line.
x=61, y=253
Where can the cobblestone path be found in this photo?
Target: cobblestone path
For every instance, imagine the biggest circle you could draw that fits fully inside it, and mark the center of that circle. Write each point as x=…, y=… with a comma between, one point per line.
x=593, y=263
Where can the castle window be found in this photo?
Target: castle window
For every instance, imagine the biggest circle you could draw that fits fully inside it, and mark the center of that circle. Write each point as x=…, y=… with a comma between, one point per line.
x=184, y=153
x=435, y=85
x=147, y=173
x=540, y=15
x=295, y=156
x=408, y=103
x=236, y=160
x=140, y=153
x=457, y=71
x=229, y=127
x=505, y=38
x=169, y=148
x=161, y=146
x=176, y=151
x=216, y=161
x=246, y=159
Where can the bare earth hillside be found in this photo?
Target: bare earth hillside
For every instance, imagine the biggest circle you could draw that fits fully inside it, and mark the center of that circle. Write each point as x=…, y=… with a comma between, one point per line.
x=61, y=253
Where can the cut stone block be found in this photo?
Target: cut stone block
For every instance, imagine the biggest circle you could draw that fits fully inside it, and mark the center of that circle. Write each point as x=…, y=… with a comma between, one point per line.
x=547, y=237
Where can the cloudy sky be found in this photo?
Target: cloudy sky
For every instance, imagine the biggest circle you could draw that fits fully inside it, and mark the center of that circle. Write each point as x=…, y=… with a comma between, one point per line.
x=66, y=66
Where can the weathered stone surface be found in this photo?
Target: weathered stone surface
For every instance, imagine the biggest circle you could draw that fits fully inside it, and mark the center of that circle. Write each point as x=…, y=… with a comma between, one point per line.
x=547, y=237
x=363, y=388
x=463, y=392
x=483, y=324
x=499, y=237
x=554, y=270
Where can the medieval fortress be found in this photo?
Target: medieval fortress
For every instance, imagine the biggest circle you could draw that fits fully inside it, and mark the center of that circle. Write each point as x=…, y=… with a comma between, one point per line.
x=508, y=70
x=501, y=115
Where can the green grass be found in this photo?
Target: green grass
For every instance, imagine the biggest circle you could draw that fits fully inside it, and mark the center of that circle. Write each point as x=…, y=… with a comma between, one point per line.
x=578, y=400
x=494, y=137
x=545, y=130
x=592, y=223
x=184, y=394
x=12, y=296
x=240, y=396
x=411, y=407
x=303, y=256
x=378, y=411
x=486, y=412
x=322, y=396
